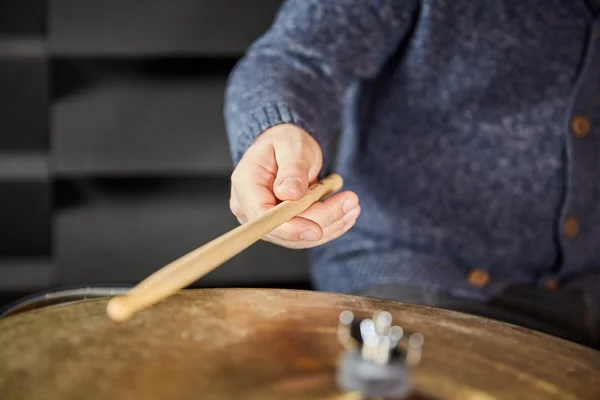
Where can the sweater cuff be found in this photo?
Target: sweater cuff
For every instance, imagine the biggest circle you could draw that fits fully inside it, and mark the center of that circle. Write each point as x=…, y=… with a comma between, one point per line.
x=258, y=121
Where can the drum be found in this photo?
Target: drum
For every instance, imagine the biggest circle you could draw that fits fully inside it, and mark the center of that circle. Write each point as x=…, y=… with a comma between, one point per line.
x=61, y=296
x=271, y=344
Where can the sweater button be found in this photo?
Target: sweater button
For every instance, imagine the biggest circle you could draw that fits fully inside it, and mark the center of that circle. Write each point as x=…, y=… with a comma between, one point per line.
x=478, y=277
x=571, y=228
x=580, y=126
x=551, y=285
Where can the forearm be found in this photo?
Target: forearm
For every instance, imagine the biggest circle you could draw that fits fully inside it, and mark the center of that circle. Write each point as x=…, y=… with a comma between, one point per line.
x=300, y=70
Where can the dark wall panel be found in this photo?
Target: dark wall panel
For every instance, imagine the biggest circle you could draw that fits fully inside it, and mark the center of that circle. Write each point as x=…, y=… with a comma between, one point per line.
x=22, y=17
x=23, y=104
x=130, y=140
x=25, y=218
x=134, y=27
x=122, y=231
x=24, y=274
x=142, y=126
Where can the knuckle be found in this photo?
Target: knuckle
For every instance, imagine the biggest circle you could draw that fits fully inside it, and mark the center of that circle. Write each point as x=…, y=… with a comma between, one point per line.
x=262, y=176
x=282, y=243
x=254, y=211
x=299, y=167
x=234, y=176
x=335, y=229
x=284, y=233
x=235, y=208
x=347, y=227
x=290, y=144
x=331, y=219
x=313, y=152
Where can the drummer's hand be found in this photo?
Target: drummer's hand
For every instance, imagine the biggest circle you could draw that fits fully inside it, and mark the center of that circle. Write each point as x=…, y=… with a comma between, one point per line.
x=278, y=166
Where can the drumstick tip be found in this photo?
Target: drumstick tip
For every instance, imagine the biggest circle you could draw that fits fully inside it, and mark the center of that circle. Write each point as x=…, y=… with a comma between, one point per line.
x=117, y=310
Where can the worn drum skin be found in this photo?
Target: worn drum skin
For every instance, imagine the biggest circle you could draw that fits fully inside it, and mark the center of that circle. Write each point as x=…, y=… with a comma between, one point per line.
x=271, y=344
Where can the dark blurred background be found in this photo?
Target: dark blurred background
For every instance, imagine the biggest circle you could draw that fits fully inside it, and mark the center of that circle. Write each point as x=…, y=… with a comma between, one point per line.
x=113, y=154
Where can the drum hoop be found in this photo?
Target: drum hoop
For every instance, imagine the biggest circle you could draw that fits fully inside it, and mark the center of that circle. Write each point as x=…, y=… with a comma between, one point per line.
x=65, y=294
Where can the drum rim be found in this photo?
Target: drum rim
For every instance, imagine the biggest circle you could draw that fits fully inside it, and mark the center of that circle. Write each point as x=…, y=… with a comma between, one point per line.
x=70, y=294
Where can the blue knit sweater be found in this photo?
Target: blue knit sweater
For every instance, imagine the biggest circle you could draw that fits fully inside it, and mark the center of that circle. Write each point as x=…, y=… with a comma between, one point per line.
x=470, y=131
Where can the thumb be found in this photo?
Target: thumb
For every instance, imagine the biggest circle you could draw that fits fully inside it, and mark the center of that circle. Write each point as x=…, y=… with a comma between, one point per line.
x=296, y=167
x=292, y=180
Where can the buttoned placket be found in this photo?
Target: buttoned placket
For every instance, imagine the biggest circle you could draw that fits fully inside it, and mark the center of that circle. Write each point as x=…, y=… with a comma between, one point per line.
x=582, y=140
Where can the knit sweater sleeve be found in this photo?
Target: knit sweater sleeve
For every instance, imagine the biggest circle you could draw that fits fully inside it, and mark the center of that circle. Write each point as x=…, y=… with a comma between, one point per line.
x=300, y=70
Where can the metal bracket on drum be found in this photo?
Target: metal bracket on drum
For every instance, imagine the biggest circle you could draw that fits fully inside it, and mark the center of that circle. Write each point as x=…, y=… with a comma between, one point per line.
x=378, y=356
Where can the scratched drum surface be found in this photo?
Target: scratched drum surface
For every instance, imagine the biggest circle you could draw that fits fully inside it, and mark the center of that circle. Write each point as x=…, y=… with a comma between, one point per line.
x=271, y=344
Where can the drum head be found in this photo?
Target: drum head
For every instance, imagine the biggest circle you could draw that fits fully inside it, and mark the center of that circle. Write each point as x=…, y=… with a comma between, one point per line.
x=271, y=344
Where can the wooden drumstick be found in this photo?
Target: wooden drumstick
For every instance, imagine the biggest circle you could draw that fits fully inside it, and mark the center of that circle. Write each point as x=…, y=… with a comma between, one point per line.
x=349, y=396
x=192, y=266
x=312, y=195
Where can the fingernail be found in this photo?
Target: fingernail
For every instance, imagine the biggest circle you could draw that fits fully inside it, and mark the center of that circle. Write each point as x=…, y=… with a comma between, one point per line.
x=349, y=204
x=309, y=235
x=352, y=214
x=293, y=184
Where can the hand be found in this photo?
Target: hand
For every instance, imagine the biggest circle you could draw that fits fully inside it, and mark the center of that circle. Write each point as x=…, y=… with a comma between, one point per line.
x=280, y=165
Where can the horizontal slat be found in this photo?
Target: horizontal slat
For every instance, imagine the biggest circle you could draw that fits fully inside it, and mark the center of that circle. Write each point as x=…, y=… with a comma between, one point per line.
x=12, y=48
x=157, y=27
x=20, y=275
x=144, y=127
x=23, y=166
x=121, y=235
x=23, y=104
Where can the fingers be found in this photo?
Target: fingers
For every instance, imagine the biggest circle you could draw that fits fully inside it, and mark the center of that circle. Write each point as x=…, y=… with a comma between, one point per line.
x=330, y=233
x=332, y=209
x=296, y=229
x=279, y=166
x=249, y=200
x=334, y=216
x=319, y=224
